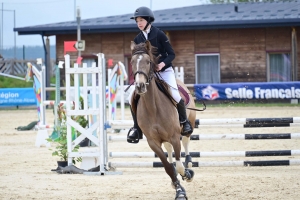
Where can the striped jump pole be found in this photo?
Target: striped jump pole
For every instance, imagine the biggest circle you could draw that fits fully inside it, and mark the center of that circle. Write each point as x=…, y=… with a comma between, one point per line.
x=209, y=163
x=250, y=122
x=215, y=123
x=265, y=136
x=209, y=154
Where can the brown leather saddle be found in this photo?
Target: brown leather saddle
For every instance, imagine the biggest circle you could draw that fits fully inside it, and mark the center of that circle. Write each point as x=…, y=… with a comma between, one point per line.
x=162, y=85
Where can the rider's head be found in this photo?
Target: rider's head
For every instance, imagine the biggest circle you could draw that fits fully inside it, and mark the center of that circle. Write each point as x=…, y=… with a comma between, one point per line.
x=143, y=13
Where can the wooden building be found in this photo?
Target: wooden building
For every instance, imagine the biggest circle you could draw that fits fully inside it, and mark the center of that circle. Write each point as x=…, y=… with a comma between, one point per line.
x=215, y=43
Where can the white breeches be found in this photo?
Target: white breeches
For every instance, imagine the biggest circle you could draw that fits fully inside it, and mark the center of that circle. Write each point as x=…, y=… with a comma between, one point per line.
x=169, y=77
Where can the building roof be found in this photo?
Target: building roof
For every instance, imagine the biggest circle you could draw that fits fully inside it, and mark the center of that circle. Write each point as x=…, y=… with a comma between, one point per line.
x=209, y=16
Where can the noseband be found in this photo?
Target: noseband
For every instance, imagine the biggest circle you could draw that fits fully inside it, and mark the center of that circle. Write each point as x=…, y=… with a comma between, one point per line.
x=148, y=77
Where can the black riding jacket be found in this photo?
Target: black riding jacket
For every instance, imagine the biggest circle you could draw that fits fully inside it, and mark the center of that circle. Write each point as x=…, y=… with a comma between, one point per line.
x=159, y=40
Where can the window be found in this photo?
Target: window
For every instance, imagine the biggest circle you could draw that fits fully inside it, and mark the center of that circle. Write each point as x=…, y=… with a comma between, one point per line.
x=207, y=68
x=279, y=67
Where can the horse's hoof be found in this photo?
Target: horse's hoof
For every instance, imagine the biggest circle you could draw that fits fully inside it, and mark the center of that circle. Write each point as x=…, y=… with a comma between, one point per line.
x=180, y=191
x=189, y=175
x=188, y=161
x=181, y=195
x=181, y=198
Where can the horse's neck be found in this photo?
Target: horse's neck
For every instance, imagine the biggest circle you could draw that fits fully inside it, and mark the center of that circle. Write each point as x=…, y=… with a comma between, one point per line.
x=150, y=100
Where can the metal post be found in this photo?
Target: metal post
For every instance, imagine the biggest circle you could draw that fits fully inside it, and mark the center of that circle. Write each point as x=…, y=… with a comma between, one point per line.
x=48, y=67
x=74, y=9
x=23, y=52
x=78, y=28
x=1, y=35
x=15, y=38
x=1, y=46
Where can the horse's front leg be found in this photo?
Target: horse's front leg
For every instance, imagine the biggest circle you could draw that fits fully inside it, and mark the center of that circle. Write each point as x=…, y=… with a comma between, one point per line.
x=188, y=159
x=186, y=174
x=169, y=149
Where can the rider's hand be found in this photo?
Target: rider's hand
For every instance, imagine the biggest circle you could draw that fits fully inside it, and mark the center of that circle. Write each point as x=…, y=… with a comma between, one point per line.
x=160, y=66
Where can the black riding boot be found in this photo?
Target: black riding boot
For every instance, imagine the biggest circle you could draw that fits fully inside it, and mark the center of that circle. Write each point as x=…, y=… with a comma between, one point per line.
x=137, y=132
x=186, y=125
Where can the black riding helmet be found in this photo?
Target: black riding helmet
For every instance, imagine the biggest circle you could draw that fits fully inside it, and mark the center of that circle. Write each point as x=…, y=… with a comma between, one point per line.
x=145, y=13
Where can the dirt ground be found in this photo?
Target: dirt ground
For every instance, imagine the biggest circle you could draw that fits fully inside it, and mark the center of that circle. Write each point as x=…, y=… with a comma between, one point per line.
x=26, y=170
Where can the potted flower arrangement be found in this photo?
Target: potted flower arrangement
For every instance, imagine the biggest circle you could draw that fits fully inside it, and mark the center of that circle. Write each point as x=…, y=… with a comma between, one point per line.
x=60, y=138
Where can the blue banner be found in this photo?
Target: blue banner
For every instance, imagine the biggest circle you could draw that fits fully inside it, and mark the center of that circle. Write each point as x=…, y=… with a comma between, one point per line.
x=255, y=90
x=17, y=97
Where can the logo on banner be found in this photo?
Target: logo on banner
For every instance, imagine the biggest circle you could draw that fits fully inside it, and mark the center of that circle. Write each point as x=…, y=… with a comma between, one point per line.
x=210, y=93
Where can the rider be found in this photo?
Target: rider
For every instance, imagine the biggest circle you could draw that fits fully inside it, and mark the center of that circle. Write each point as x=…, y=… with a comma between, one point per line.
x=144, y=18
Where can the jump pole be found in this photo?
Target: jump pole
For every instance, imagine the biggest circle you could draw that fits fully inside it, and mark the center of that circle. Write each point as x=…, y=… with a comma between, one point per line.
x=209, y=164
x=212, y=123
x=209, y=154
x=265, y=136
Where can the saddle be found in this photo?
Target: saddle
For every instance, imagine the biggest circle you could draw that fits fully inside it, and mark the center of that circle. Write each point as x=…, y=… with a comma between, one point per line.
x=164, y=88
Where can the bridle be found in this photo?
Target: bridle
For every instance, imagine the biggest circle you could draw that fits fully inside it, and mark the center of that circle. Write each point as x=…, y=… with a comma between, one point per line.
x=151, y=75
x=148, y=77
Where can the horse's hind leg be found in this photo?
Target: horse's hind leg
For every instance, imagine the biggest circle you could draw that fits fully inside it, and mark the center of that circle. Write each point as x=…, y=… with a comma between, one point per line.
x=188, y=159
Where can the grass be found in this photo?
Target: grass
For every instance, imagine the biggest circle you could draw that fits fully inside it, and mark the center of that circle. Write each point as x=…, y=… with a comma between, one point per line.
x=7, y=82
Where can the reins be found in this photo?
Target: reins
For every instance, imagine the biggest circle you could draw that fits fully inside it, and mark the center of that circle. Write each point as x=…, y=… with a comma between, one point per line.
x=149, y=78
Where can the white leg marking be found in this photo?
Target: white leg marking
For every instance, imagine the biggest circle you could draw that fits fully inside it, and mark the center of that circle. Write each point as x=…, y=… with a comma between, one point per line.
x=185, y=143
x=169, y=149
x=180, y=167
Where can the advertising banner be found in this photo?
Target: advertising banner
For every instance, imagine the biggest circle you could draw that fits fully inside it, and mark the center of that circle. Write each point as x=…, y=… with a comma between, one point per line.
x=17, y=97
x=243, y=91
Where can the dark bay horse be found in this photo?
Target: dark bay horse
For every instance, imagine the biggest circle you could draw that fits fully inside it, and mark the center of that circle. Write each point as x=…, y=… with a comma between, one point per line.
x=157, y=116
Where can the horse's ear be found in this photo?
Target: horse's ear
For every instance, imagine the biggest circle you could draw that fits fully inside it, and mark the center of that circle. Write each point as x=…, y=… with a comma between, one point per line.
x=148, y=45
x=132, y=45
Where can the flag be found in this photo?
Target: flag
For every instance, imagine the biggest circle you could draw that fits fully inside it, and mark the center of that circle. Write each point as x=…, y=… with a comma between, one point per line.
x=79, y=60
x=29, y=73
x=69, y=46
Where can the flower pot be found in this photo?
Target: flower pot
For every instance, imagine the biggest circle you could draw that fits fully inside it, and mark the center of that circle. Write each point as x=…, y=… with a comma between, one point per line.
x=62, y=163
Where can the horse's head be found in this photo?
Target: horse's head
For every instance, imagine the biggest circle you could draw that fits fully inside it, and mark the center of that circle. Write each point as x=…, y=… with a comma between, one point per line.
x=142, y=63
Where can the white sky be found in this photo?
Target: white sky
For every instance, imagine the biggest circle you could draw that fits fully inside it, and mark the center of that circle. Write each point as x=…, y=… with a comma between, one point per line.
x=38, y=12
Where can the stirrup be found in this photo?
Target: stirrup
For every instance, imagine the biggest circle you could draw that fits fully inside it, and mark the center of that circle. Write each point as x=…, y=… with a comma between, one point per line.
x=130, y=140
x=189, y=132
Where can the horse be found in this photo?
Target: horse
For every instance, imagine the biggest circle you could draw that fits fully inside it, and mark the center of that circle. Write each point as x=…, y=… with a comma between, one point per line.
x=157, y=116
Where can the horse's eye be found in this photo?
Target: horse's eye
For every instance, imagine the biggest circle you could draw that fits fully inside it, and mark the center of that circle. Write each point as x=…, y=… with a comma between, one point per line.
x=148, y=62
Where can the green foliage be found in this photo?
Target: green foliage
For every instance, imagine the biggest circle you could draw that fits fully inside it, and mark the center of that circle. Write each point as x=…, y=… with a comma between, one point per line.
x=7, y=82
x=61, y=148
